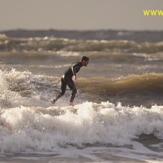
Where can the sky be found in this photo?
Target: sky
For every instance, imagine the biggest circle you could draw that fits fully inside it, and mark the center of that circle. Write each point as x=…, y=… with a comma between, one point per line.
x=79, y=14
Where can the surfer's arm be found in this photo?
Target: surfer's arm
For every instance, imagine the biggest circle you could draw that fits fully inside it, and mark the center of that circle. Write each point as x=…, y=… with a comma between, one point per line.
x=74, y=73
x=75, y=69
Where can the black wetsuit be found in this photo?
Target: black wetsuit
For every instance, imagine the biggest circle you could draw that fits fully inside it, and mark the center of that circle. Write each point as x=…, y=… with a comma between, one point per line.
x=67, y=80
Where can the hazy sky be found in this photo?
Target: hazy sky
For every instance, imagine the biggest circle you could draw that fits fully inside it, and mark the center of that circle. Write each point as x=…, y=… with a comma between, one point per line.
x=79, y=14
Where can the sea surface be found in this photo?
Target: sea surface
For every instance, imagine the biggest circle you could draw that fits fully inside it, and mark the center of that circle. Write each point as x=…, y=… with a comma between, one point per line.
x=117, y=115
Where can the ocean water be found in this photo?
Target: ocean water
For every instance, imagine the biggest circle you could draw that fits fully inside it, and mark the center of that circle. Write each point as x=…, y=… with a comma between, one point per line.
x=118, y=111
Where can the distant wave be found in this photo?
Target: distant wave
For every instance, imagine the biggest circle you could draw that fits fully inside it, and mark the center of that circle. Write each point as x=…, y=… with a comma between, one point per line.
x=131, y=83
x=145, y=89
x=138, y=36
x=48, y=44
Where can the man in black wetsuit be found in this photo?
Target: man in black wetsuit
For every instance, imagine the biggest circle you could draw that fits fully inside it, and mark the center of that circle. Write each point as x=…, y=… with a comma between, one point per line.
x=69, y=77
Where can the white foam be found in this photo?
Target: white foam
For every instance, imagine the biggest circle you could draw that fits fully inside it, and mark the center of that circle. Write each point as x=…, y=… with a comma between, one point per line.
x=68, y=54
x=3, y=82
x=38, y=128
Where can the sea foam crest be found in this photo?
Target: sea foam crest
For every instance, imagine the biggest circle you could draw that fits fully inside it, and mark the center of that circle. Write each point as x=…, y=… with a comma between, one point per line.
x=47, y=129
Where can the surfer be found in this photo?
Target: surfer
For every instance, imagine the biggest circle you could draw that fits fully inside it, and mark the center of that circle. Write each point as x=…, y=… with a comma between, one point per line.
x=69, y=78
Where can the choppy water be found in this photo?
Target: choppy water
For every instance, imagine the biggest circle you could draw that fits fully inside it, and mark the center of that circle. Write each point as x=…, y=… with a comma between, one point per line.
x=118, y=112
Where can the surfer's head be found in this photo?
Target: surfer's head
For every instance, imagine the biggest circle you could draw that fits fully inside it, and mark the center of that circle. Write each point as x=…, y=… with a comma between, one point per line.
x=84, y=61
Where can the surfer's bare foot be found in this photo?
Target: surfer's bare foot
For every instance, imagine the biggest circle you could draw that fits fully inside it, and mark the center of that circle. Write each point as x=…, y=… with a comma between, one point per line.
x=53, y=101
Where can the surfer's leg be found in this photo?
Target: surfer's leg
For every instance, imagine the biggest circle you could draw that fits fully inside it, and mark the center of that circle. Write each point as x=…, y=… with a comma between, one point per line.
x=72, y=86
x=63, y=89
